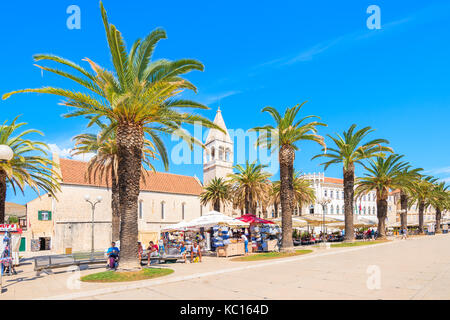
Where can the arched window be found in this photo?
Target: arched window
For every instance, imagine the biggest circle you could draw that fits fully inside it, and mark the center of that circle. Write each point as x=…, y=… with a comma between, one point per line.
x=364, y=210
x=325, y=209
x=213, y=153
x=182, y=210
x=141, y=210
x=227, y=154
x=337, y=209
x=343, y=209
x=325, y=193
x=374, y=211
x=221, y=152
x=331, y=194
x=331, y=207
x=163, y=204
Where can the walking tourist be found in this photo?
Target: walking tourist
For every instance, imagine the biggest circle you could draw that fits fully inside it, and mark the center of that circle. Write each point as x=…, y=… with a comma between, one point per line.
x=404, y=233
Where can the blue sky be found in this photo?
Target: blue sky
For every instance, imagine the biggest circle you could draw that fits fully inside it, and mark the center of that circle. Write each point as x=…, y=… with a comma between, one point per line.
x=258, y=53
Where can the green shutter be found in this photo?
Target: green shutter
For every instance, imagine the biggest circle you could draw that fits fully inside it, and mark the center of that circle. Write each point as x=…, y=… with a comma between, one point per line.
x=49, y=214
x=22, y=244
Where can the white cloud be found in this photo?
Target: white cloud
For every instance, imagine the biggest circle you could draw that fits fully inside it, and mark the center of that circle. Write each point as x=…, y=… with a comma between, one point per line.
x=67, y=153
x=208, y=99
x=319, y=48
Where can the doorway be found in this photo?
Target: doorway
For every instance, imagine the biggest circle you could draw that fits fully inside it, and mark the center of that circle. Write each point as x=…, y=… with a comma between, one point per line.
x=44, y=244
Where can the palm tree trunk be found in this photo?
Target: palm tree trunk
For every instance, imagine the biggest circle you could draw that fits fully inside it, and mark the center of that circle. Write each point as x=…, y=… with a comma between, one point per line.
x=404, y=208
x=421, y=210
x=129, y=146
x=2, y=195
x=217, y=205
x=247, y=201
x=115, y=207
x=438, y=220
x=382, y=214
x=286, y=158
x=349, y=191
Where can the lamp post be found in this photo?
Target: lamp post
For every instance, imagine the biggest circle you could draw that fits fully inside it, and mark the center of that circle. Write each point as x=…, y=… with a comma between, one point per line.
x=6, y=153
x=323, y=202
x=93, y=204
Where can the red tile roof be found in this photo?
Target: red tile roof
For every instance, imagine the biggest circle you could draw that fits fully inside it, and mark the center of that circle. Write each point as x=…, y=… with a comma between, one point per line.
x=333, y=180
x=74, y=172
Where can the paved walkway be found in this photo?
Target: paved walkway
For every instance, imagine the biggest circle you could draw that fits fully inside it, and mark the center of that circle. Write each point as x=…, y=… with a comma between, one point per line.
x=417, y=268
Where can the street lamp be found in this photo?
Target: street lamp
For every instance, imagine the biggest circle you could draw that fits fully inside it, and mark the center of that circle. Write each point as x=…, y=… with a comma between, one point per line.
x=6, y=153
x=323, y=202
x=93, y=204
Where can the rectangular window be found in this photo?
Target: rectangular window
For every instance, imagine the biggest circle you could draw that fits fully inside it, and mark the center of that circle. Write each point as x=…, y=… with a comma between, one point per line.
x=44, y=215
x=162, y=210
x=141, y=213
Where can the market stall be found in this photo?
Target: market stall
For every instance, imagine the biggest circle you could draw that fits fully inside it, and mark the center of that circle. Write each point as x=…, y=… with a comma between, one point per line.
x=214, y=231
x=264, y=234
x=10, y=235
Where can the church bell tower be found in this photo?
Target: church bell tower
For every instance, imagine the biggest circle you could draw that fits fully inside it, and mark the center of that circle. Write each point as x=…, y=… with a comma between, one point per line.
x=218, y=155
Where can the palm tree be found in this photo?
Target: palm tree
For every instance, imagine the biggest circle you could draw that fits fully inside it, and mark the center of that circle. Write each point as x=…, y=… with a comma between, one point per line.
x=349, y=150
x=303, y=193
x=249, y=186
x=141, y=97
x=439, y=199
x=29, y=165
x=383, y=175
x=421, y=195
x=406, y=192
x=217, y=191
x=283, y=138
x=103, y=165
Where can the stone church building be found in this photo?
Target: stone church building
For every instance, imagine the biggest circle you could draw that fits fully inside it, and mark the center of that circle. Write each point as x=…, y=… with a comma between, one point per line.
x=64, y=224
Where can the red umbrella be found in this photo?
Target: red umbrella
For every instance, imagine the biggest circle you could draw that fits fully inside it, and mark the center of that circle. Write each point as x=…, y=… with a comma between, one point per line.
x=251, y=218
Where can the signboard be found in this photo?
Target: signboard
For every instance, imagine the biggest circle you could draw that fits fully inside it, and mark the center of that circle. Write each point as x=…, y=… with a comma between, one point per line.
x=10, y=228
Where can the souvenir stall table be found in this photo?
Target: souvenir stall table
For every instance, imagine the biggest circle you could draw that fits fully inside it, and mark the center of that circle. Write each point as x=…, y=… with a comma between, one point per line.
x=171, y=239
x=264, y=234
x=219, y=233
x=226, y=241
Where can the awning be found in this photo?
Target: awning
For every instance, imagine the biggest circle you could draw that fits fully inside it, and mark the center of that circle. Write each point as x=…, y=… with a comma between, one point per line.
x=180, y=226
x=214, y=218
x=252, y=219
x=296, y=222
